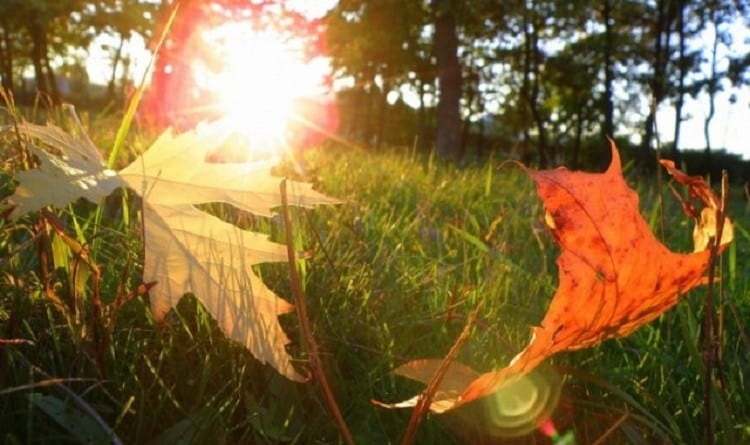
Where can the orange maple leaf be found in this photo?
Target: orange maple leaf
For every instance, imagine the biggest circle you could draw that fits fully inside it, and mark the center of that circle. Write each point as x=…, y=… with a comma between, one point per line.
x=614, y=275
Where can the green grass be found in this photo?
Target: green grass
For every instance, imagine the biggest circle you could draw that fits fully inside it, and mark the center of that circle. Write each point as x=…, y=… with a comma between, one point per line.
x=395, y=271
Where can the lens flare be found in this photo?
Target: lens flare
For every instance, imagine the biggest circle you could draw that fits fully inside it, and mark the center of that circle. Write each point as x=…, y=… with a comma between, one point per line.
x=547, y=427
x=258, y=79
x=520, y=407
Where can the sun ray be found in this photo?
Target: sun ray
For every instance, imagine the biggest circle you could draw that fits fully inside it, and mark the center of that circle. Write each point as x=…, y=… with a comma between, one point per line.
x=258, y=79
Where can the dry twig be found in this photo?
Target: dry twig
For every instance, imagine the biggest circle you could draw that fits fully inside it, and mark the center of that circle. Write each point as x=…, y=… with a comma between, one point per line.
x=304, y=321
x=423, y=404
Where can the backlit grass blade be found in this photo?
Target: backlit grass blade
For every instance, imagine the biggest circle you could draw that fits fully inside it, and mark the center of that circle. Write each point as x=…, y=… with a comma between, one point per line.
x=127, y=120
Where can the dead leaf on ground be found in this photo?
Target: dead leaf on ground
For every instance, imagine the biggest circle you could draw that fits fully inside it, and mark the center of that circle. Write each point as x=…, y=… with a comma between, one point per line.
x=614, y=275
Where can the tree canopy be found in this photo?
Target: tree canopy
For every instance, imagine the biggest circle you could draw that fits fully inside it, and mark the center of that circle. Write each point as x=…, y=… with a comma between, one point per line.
x=544, y=80
x=45, y=36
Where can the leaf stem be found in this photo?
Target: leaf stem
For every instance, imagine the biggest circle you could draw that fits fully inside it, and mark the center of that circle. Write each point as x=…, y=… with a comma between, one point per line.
x=709, y=330
x=304, y=321
x=425, y=399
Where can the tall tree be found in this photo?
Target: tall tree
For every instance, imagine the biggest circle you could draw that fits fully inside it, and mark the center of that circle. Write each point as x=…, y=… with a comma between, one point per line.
x=43, y=75
x=36, y=31
x=377, y=46
x=717, y=16
x=608, y=127
x=448, y=135
x=42, y=21
x=122, y=19
x=534, y=23
x=660, y=34
x=577, y=109
x=682, y=70
x=545, y=73
x=8, y=43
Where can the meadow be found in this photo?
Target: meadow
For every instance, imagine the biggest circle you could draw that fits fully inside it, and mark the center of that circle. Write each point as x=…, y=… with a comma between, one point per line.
x=390, y=275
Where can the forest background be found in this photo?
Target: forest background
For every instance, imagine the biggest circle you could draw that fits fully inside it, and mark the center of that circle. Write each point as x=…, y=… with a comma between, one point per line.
x=542, y=81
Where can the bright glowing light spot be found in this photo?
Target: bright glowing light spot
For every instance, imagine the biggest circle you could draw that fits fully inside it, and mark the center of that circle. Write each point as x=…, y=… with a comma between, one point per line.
x=524, y=405
x=547, y=427
x=520, y=401
x=257, y=79
x=309, y=8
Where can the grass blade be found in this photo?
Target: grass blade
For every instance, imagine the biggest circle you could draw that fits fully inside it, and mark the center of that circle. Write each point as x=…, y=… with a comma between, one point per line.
x=127, y=120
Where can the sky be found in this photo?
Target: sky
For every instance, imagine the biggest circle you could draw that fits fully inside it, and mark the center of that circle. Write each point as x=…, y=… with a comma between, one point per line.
x=98, y=59
x=732, y=117
x=728, y=128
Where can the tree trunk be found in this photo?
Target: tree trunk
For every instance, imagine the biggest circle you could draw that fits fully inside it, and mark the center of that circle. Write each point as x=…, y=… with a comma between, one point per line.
x=51, y=80
x=472, y=96
x=712, y=88
x=524, y=93
x=36, y=32
x=422, y=116
x=682, y=73
x=531, y=85
x=357, y=107
x=661, y=50
x=448, y=134
x=608, y=127
x=369, y=133
x=577, y=139
x=481, y=133
x=544, y=155
x=115, y=64
x=382, y=110
x=6, y=62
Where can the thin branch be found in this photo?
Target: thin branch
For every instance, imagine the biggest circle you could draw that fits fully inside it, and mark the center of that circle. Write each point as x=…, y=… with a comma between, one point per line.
x=304, y=321
x=612, y=428
x=425, y=399
x=709, y=331
x=15, y=341
x=43, y=384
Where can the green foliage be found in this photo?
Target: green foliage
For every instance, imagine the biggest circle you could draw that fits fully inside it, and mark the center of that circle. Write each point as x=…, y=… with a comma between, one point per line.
x=544, y=75
x=39, y=34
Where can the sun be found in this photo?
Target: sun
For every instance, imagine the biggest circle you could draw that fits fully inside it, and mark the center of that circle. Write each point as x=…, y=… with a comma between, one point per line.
x=258, y=79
